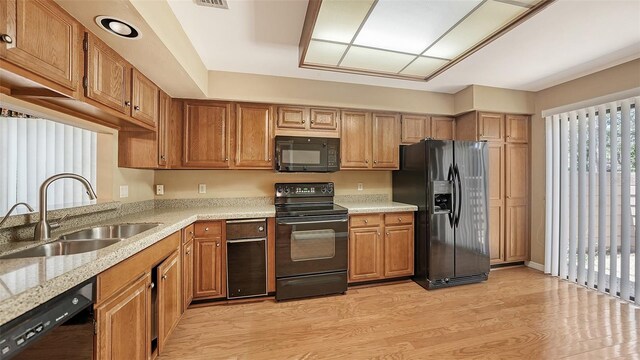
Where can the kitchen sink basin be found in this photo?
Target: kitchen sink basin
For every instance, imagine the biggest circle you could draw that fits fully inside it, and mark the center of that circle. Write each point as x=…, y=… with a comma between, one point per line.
x=82, y=241
x=119, y=231
x=62, y=247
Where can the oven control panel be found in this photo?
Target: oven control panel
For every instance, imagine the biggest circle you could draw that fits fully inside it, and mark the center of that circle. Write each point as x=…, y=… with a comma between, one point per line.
x=304, y=189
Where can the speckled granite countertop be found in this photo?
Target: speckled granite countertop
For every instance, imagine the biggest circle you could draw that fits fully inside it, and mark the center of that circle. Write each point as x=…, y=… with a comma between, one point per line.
x=28, y=282
x=376, y=207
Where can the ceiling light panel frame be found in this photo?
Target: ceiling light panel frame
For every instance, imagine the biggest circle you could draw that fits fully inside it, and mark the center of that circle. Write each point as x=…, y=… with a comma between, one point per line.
x=332, y=26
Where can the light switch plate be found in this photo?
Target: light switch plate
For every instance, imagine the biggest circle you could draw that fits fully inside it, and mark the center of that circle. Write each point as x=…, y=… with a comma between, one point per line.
x=159, y=189
x=202, y=188
x=360, y=187
x=124, y=191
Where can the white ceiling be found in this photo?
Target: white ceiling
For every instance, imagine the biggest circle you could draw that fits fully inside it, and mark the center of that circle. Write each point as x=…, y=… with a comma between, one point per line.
x=566, y=40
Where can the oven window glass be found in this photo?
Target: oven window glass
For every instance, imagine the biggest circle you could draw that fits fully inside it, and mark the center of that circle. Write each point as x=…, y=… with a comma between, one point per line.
x=310, y=157
x=313, y=245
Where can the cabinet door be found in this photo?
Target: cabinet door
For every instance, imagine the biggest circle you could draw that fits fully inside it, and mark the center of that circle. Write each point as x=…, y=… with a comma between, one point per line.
x=169, y=297
x=292, y=117
x=490, y=126
x=365, y=254
x=187, y=274
x=386, y=134
x=496, y=201
x=517, y=229
x=124, y=323
x=355, y=140
x=162, y=133
x=443, y=128
x=398, y=251
x=206, y=135
x=144, y=98
x=415, y=128
x=517, y=168
x=254, y=145
x=208, y=268
x=517, y=129
x=45, y=40
x=323, y=119
x=108, y=76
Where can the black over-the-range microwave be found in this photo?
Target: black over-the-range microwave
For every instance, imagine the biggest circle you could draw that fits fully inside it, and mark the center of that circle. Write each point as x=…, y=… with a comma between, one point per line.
x=307, y=154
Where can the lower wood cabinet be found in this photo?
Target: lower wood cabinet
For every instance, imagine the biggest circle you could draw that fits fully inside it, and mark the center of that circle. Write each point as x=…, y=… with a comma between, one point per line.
x=380, y=246
x=124, y=323
x=209, y=266
x=187, y=266
x=169, y=297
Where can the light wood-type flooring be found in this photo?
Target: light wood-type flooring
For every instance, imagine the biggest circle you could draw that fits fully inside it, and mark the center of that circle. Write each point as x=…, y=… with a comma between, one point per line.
x=518, y=314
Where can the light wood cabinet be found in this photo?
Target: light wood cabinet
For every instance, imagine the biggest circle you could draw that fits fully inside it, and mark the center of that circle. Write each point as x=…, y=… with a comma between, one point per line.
x=443, y=128
x=398, y=251
x=253, y=136
x=365, y=254
x=386, y=132
x=124, y=323
x=209, y=268
x=108, y=76
x=380, y=246
x=517, y=246
x=517, y=202
x=45, y=40
x=495, y=184
x=169, y=296
x=187, y=266
x=369, y=141
x=206, y=134
x=415, y=128
x=162, y=133
x=144, y=98
x=307, y=121
x=490, y=126
x=517, y=128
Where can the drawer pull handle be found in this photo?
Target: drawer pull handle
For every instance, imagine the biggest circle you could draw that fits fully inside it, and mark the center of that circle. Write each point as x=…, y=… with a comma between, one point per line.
x=206, y=229
x=366, y=221
x=399, y=219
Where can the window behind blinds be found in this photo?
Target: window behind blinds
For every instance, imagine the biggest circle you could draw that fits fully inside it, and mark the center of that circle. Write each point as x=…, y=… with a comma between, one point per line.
x=32, y=150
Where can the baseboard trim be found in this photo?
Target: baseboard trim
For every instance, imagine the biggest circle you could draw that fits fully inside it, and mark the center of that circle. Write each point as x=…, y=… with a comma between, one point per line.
x=534, y=265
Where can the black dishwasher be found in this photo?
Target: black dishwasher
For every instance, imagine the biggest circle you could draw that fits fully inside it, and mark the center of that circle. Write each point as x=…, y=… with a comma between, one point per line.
x=246, y=258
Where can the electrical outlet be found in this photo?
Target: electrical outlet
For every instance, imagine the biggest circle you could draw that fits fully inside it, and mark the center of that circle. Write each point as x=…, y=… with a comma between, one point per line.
x=159, y=189
x=124, y=191
x=360, y=187
x=202, y=188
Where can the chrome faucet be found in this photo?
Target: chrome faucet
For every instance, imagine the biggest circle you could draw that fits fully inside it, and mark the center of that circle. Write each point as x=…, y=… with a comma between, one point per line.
x=43, y=228
x=13, y=208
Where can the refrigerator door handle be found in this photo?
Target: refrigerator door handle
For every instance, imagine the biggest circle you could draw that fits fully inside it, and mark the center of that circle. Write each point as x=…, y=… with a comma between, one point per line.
x=451, y=177
x=458, y=194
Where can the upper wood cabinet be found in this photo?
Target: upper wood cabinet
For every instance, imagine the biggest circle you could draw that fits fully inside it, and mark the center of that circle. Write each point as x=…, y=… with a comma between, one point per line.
x=108, y=77
x=206, y=134
x=490, y=126
x=415, y=128
x=144, y=99
x=386, y=133
x=355, y=142
x=162, y=133
x=443, y=128
x=253, y=136
x=45, y=40
x=369, y=141
x=517, y=128
x=517, y=168
x=169, y=296
x=305, y=121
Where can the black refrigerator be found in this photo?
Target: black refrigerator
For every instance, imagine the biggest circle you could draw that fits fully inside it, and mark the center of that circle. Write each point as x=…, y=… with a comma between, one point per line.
x=447, y=181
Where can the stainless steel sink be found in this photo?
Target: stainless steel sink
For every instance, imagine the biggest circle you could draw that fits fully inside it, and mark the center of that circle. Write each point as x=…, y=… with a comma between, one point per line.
x=84, y=240
x=119, y=231
x=62, y=248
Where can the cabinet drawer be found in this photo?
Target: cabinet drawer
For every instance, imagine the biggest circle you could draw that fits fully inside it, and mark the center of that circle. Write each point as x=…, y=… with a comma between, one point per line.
x=365, y=220
x=398, y=218
x=208, y=228
x=188, y=233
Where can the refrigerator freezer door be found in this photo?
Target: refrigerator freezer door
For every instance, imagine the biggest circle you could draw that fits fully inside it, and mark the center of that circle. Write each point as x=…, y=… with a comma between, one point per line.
x=471, y=231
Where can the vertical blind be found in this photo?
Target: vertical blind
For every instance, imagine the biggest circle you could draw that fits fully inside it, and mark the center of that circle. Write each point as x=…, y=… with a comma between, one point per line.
x=31, y=150
x=592, y=231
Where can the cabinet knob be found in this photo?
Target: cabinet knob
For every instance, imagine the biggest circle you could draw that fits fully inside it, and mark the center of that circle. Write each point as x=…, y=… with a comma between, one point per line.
x=162, y=157
x=366, y=221
x=387, y=233
x=188, y=252
x=152, y=285
x=312, y=122
x=399, y=219
x=217, y=244
x=226, y=159
x=136, y=108
x=378, y=234
x=164, y=277
x=127, y=103
x=304, y=121
x=261, y=228
x=375, y=161
x=6, y=38
x=206, y=229
x=366, y=161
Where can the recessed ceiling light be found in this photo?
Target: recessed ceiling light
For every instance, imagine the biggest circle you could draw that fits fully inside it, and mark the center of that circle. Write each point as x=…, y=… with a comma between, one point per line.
x=118, y=27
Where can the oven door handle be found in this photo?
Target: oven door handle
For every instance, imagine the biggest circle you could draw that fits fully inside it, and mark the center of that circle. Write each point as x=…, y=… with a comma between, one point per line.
x=284, y=222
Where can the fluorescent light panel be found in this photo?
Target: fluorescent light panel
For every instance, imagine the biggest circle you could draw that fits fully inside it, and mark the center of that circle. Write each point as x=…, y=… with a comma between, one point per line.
x=423, y=67
x=325, y=53
x=377, y=60
x=339, y=20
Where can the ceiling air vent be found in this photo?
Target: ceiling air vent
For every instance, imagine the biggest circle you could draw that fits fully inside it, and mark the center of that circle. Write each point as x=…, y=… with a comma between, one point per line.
x=222, y=4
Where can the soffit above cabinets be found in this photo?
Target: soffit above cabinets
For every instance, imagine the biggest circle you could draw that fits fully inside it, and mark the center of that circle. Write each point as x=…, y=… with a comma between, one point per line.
x=407, y=39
